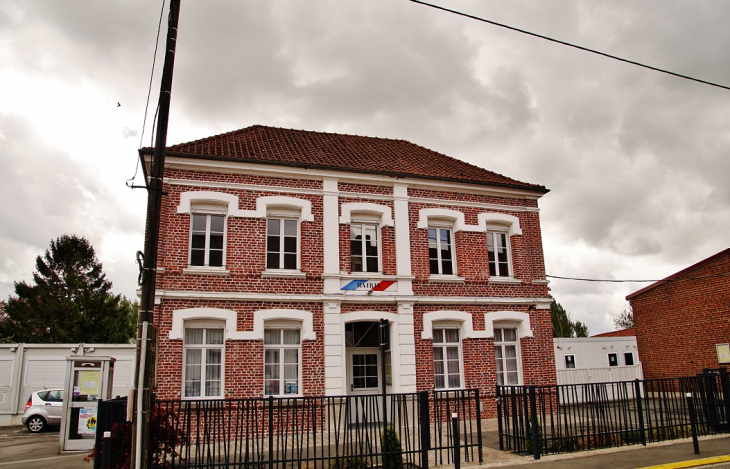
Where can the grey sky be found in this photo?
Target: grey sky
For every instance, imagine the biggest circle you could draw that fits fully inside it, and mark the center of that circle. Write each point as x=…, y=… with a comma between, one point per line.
x=636, y=161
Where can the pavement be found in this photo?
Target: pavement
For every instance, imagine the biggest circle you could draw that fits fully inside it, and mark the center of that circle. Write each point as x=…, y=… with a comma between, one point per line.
x=20, y=449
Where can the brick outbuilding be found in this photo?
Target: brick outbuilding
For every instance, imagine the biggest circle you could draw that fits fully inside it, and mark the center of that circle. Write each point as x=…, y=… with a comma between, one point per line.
x=280, y=250
x=682, y=321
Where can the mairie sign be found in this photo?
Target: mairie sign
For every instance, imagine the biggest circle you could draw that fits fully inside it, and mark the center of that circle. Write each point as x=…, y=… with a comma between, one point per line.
x=368, y=285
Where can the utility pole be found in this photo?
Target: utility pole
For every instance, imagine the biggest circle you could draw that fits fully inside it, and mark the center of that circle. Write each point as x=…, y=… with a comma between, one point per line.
x=146, y=332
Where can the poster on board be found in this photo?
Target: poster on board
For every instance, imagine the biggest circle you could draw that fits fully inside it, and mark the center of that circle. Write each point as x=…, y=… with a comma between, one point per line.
x=87, y=421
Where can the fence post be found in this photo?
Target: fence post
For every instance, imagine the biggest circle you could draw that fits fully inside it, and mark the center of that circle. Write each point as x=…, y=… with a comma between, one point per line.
x=457, y=438
x=478, y=403
x=536, y=450
x=271, y=432
x=725, y=384
x=500, y=429
x=425, y=427
x=693, y=422
x=107, y=451
x=640, y=410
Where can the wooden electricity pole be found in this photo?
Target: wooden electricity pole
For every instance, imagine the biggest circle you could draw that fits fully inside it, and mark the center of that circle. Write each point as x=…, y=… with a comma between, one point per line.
x=146, y=332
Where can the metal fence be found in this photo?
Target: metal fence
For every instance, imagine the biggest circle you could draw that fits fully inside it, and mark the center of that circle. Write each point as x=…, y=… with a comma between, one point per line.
x=400, y=431
x=564, y=418
x=112, y=417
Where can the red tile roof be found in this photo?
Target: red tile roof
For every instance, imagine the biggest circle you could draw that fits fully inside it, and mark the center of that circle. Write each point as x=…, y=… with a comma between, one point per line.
x=621, y=333
x=353, y=153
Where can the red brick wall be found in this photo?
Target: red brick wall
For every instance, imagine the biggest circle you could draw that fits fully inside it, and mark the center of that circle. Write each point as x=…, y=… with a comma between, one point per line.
x=678, y=323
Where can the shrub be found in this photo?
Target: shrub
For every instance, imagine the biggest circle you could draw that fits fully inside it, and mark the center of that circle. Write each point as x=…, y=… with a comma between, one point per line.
x=392, y=449
x=351, y=462
x=528, y=437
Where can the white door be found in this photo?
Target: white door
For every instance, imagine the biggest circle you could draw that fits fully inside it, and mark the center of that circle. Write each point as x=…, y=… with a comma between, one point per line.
x=365, y=381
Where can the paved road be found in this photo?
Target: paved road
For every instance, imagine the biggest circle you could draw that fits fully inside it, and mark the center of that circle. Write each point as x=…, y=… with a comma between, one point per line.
x=20, y=449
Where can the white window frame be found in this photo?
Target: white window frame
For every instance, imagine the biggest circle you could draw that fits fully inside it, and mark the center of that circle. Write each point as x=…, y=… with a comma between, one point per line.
x=608, y=356
x=565, y=360
x=281, y=347
x=446, y=226
x=444, y=346
x=362, y=222
x=518, y=352
x=282, y=219
x=205, y=326
x=206, y=261
x=508, y=248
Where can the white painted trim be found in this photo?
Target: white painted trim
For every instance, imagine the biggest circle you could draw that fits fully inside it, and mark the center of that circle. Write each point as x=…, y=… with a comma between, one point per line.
x=463, y=317
x=356, y=316
x=181, y=315
x=230, y=318
x=491, y=221
x=522, y=319
x=456, y=217
x=385, y=212
x=231, y=202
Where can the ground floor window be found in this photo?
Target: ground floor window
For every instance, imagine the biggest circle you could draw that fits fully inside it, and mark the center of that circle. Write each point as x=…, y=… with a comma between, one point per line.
x=203, y=362
x=282, y=362
x=507, y=355
x=446, y=358
x=570, y=361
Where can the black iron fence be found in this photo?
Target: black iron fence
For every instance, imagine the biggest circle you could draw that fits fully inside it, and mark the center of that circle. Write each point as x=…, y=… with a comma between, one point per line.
x=112, y=417
x=400, y=431
x=564, y=418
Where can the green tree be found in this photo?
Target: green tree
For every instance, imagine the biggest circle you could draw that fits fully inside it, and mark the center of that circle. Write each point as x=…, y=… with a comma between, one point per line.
x=70, y=300
x=562, y=325
x=625, y=320
x=581, y=329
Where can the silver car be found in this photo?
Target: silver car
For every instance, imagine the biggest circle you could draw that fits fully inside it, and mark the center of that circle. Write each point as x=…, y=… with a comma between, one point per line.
x=43, y=409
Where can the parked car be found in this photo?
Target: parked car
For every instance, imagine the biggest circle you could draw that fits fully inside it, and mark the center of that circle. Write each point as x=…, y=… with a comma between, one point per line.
x=43, y=409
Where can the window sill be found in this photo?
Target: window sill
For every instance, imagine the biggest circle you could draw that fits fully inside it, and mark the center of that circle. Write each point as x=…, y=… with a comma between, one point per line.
x=221, y=271
x=446, y=278
x=283, y=273
x=507, y=280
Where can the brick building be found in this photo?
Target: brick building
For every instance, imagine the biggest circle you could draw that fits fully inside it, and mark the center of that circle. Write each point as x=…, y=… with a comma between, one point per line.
x=680, y=321
x=281, y=250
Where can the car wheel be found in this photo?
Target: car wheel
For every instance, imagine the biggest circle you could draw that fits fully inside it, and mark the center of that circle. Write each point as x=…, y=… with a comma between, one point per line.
x=36, y=424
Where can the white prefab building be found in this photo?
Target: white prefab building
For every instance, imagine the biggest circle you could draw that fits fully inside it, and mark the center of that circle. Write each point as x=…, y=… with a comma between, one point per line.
x=597, y=359
x=26, y=368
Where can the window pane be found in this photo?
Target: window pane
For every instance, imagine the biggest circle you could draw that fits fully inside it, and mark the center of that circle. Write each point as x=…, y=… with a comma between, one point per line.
x=291, y=357
x=273, y=226
x=290, y=244
x=454, y=381
x=511, y=364
x=628, y=359
x=498, y=352
x=371, y=381
x=216, y=223
x=372, y=264
x=448, y=268
x=272, y=243
x=438, y=354
x=498, y=335
x=290, y=261
x=438, y=336
x=272, y=336
x=452, y=335
x=438, y=367
x=357, y=264
x=291, y=336
x=355, y=232
x=438, y=382
x=199, y=222
x=356, y=247
x=216, y=259
x=198, y=241
x=434, y=266
x=453, y=367
x=432, y=237
x=510, y=335
x=216, y=241
x=452, y=353
x=510, y=351
x=512, y=378
x=193, y=336
x=500, y=366
x=290, y=228
x=214, y=336
x=272, y=261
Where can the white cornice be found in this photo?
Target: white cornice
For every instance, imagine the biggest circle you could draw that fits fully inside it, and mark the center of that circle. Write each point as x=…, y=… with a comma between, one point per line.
x=343, y=195
x=238, y=167
x=343, y=298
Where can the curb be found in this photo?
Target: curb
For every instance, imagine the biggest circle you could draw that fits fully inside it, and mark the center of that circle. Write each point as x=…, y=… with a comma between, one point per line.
x=692, y=463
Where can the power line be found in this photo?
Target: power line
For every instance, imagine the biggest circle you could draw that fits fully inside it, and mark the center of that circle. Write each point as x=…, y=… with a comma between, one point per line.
x=149, y=91
x=585, y=49
x=578, y=279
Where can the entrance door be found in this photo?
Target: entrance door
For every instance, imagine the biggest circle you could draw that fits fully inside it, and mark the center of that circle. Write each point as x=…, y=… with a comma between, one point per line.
x=364, y=380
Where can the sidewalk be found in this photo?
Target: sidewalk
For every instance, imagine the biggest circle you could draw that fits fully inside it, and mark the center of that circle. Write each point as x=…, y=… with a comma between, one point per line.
x=676, y=454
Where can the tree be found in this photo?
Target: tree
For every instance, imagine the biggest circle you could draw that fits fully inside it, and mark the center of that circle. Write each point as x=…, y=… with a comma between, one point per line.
x=581, y=329
x=625, y=320
x=69, y=301
x=563, y=326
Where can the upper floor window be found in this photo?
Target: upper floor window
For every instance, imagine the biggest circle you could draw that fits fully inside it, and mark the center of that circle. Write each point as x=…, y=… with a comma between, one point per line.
x=203, y=362
x=282, y=361
x=507, y=356
x=499, y=254
x=364, y=247
x=207, y=246
x=282, y=243
x=440, y=251
x=446, y=358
